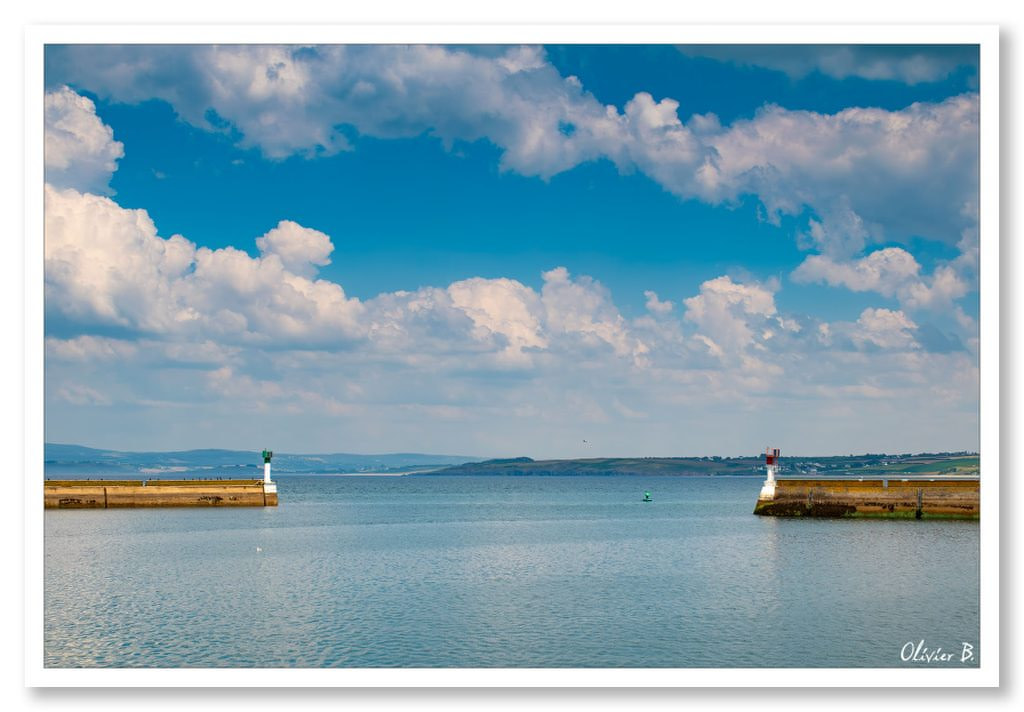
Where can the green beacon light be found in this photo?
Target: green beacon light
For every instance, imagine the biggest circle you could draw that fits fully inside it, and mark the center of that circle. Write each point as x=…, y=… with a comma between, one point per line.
x=647, y=496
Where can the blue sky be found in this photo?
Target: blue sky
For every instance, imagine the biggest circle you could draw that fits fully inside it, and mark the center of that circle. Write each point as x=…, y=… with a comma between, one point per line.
x=509, y=250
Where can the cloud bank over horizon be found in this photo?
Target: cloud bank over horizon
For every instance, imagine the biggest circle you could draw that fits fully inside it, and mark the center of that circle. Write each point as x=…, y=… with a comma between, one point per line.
x=245, y=337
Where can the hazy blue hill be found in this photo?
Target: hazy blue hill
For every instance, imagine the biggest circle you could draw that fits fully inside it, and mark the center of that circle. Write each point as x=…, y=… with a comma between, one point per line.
x=62, y=460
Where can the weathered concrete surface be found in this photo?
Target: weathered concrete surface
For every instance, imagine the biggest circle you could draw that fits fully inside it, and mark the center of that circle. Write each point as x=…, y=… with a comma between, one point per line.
x=895, y=498
x=99, y=494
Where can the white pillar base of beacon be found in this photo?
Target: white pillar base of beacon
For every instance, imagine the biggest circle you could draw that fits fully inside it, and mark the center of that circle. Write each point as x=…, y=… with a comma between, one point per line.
x=268, y=485
x=768, y=488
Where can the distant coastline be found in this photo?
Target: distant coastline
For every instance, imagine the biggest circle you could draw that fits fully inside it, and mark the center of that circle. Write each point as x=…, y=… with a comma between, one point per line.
x=64, y=461
x=927, y=464
x=77, y=462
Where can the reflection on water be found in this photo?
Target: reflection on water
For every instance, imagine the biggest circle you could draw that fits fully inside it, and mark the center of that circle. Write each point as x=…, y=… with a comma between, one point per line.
x=483, y=572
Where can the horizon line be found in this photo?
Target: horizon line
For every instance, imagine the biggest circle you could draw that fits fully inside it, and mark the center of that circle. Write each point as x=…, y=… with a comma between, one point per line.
x=511, y=457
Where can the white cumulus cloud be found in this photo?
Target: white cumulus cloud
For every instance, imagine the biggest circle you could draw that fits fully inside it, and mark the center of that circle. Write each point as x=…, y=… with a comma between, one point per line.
x=582, y=309
x=885, y=328
x=107, y=266
x=728, y=314
x=892, y=272
x=79, y=149
x=504, y=308
x=848, y=167
x=300, y=249
x=655, y=305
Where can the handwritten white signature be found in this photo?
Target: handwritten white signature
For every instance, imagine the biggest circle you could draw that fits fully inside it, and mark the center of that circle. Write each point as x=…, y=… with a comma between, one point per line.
x=912, y=652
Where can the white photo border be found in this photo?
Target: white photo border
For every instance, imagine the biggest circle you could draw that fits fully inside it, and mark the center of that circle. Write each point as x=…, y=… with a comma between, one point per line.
x=986, y=36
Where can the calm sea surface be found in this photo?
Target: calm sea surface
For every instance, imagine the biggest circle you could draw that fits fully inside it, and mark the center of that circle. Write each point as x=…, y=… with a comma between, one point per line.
x=503, y=572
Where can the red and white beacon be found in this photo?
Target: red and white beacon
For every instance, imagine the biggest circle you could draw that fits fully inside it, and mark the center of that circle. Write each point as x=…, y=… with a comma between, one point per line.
x=771, y=466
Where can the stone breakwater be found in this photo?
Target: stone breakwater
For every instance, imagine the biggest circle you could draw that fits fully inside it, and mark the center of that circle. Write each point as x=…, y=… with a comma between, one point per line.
x=110, y=494
x=938, y=498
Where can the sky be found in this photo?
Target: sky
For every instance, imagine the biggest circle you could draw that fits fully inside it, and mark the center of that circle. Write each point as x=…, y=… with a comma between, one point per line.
x=560, y=251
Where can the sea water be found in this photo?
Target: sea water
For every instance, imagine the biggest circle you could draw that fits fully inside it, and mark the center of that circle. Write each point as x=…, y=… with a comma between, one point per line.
x=435, y=571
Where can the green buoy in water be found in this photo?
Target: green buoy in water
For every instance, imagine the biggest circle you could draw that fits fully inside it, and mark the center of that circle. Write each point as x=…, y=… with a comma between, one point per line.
x=647, y=497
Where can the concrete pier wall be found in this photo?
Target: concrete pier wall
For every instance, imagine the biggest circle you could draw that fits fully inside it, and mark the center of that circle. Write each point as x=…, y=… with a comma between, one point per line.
x=890, y=498
x=100, y=494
